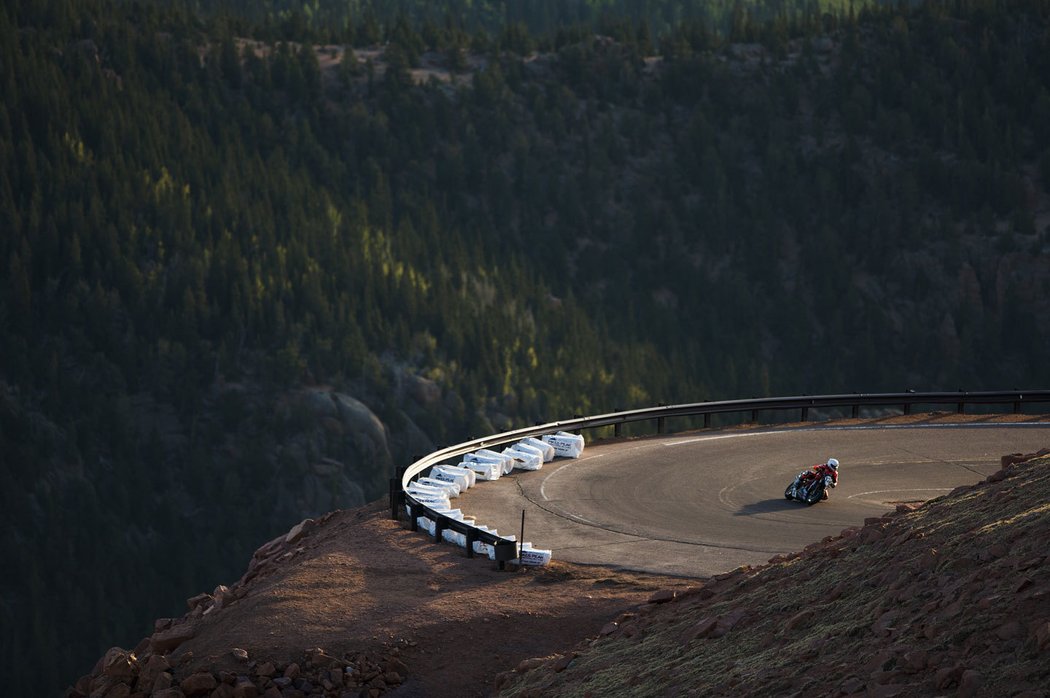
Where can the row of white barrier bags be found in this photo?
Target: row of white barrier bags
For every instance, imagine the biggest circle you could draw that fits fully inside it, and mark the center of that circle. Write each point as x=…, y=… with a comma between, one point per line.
x=446, y=482
x=528, y=555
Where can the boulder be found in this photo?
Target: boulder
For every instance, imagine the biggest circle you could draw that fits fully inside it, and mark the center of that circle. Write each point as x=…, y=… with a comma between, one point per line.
x=969, y=683
x=169, y=693
x=562, y=663
x=424, y=391
x=118, y=690
x=799, y=619
x=296, y=531
x=154, y=666
x=699, y=630
x=1041, y=635
x=162, y=682
x=198, y=684
x=118, y=664
x=244, y=688
x=529, y=664
x=1009, y=630
x=199, y=600
x=167, y=640
x=915, y=660
x=662, y=596
x=319, y=658
x=945, y=677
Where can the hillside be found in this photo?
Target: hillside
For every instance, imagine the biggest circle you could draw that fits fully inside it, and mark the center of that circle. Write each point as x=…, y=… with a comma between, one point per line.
x=245, y=276
x=949, y=595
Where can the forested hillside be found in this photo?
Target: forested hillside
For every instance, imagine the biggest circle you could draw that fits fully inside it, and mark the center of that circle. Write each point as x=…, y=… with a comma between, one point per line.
x=255, y=261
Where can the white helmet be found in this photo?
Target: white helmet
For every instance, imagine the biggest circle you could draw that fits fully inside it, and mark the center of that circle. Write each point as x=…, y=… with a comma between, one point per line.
x=833, y=463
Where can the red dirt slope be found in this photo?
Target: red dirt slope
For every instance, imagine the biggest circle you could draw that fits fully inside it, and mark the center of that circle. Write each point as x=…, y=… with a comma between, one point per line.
x=950, y=597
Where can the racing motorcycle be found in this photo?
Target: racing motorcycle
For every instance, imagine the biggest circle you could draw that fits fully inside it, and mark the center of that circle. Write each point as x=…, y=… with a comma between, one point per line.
x=808, y=487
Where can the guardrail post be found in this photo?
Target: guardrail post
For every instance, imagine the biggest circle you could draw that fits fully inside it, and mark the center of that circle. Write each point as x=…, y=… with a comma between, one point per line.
x=960, y=408
x=805, y=414
x=439, y=526
x=1017, y=406
x=661, y=423
x=413, y=515
x=397, y=500
x=754, y=416
x=472, y=535
x=856, y=411
x=618, y=430
x=707, y=421
x=505, y=550
x=397, y=495
x=907, y=408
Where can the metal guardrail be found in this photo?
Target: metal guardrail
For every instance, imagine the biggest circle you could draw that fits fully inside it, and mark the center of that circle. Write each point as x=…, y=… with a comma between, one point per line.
x=507, y=550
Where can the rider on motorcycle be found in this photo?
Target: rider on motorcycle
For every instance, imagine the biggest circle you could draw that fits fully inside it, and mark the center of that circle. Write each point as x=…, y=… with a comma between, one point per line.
x=830, y=469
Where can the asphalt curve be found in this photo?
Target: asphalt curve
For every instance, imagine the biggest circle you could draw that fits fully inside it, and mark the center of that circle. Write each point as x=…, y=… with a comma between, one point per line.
x=705, y=503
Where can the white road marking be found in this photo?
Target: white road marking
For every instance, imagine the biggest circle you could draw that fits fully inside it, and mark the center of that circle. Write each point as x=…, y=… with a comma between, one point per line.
x=910, y=489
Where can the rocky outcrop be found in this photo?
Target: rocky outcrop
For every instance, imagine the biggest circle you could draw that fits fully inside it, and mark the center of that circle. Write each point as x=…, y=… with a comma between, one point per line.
x=149, y=670
x=155, y=668
x=315, y=674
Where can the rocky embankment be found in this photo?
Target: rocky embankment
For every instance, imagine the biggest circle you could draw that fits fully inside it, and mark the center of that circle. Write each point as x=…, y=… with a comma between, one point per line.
x=152, y=668
x=356, y=604
x=948, y=598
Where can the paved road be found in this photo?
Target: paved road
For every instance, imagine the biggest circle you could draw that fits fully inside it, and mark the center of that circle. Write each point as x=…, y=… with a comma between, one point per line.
x=705, y=503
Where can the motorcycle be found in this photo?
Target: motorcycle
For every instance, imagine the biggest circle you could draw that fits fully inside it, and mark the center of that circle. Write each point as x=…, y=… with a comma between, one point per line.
x=808, y=487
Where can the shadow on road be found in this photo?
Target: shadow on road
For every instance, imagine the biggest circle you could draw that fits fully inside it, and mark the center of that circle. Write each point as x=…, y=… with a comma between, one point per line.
x=768, y=506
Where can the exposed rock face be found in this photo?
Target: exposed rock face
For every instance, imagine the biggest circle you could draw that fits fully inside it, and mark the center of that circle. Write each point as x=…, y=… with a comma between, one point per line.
x=317, y=673
x=342, y=453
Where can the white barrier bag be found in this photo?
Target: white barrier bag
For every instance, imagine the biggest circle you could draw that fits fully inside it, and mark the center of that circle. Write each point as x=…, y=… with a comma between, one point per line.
x=454, y=537
x=425, y=524
x=417, y=487
x=521, y=461
x=481, y=548
x=545, y=448
x=523, y=445
x=484, y=471
x=565, y=444
x=479, y=458
x=461, y=481
x=472, y=477
x=530, y=460
x=533, y=556
x=578, y=438
x=450, y=487
x=435, y=503
x=507, y=461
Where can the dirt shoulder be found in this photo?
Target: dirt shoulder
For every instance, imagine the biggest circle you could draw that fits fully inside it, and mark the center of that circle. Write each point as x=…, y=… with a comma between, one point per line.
x=408, y=617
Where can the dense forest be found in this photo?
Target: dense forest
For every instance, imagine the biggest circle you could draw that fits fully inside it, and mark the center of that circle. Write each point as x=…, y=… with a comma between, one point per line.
x=256, y=255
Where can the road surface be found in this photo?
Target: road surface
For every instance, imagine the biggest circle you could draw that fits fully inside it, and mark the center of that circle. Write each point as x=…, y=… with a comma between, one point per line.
x=704, y=503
